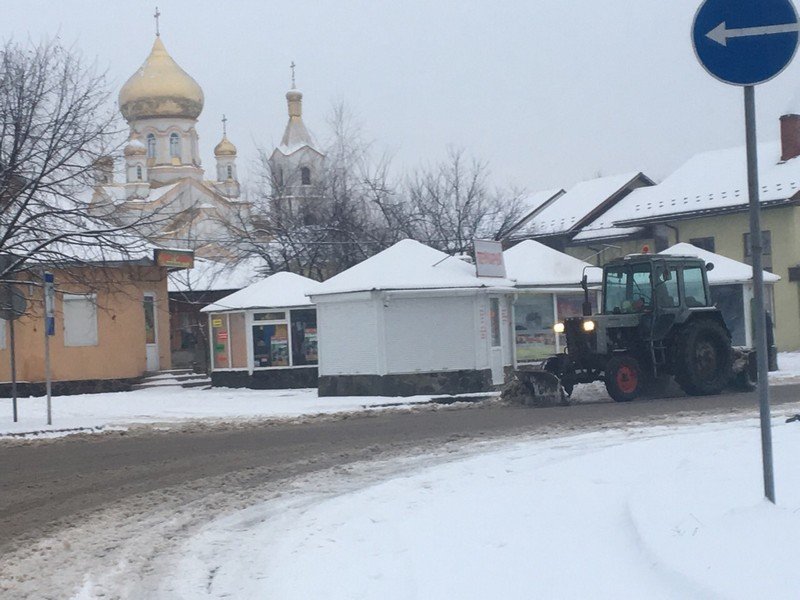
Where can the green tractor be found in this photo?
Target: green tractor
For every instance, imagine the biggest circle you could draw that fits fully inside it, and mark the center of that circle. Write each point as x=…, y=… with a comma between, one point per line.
x=657, y=321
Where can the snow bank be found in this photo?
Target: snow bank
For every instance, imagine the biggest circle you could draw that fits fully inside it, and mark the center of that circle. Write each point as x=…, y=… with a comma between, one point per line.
x=661, y=513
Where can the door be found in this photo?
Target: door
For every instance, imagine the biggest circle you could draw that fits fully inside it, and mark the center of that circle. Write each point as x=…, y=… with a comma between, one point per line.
x=496, y=342
x=151, y=332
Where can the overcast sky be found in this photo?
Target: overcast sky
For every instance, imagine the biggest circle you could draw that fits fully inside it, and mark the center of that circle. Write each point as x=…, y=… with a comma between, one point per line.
x=549, y=92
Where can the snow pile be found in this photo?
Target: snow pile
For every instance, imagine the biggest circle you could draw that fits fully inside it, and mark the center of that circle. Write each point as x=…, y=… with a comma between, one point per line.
x=671, y=512
x=87, y=413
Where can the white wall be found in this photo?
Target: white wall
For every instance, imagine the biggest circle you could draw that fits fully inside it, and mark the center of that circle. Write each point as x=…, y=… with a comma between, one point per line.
x=348, y=338
x=429, y=334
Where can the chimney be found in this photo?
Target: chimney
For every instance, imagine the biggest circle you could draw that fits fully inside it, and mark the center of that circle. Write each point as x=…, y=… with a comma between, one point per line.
x=790, y=137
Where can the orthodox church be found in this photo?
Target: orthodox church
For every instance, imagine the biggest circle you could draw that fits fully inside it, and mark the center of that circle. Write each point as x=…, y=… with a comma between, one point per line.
x=164, y=184
x=165, y=190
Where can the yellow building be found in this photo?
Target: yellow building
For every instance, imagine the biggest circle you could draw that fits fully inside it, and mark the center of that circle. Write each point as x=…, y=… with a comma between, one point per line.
x=111, y=326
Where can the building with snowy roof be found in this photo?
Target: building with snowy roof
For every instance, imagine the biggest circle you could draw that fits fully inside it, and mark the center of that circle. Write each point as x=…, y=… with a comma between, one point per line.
x=705, y=203
x=264, y=336
x=111, y=322
x=548, y=291
x=413, y=320
x=564, y=214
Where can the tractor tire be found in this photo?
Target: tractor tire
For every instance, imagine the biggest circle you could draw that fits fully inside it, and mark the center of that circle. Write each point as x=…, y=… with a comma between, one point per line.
x=623, y=378
x=703, y=358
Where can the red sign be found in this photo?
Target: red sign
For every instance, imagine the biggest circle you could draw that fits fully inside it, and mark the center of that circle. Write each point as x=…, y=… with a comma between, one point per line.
x=176, y=259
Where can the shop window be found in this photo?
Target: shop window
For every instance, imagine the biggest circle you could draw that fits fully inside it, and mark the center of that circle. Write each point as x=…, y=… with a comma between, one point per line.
x=494, y=320
x=533, y=327
x=706, y=243
x=80, y=320
x=219, y=342
x=693, y=289
x=766, y=254
x=271, y=345
x=304, y=337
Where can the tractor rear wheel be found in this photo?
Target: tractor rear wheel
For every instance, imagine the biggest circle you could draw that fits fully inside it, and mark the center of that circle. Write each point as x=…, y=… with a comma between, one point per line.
x=703, y=358
x=623, y=378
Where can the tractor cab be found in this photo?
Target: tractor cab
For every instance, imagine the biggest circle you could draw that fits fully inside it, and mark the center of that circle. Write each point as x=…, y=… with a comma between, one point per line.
x=641, y=283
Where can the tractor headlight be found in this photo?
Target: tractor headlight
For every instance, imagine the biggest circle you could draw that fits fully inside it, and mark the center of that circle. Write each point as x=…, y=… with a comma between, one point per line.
x=558, y=328
x=588, y=326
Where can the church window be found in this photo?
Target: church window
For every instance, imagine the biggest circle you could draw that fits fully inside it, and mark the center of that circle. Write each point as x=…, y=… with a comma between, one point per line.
x=174, y=145
x=230, y=172
x=151, y=145
x=305, y=176
x=139, y=172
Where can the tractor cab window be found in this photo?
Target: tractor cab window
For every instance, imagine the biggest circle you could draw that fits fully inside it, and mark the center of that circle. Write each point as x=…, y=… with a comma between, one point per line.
x=693, y=288
x=628, y=289
x=666, y=287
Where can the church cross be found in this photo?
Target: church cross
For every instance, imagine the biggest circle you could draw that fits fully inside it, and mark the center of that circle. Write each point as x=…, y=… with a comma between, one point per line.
x=224, y=126
x=156, y=15
x=292, y=66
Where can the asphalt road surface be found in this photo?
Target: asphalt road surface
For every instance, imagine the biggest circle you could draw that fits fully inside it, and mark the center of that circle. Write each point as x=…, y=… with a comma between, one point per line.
x=48, y=484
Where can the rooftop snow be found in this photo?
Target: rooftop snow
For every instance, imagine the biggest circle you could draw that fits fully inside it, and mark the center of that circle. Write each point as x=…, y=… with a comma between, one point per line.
x=408, y=265
x=276, y=291
x=568, y=210
x=726, y=270
x=534, y=264
x=209, y=275
x=708, y=181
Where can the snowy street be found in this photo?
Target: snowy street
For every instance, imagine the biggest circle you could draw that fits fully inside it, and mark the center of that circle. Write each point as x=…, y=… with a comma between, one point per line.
x=418, y=501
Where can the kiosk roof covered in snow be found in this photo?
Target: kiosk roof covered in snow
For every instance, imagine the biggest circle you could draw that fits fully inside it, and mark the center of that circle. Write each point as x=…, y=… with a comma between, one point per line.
x=531, y=263
x=726, y=270
x=276, y=291
x=408, y=265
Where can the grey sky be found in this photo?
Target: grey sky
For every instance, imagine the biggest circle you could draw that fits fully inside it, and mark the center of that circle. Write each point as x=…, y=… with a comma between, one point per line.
x=550, y=92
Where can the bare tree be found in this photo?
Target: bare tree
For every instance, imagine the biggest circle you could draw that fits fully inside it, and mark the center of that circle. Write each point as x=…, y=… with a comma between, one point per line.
x=350, y=212
x=452, y=204
x=57, y=131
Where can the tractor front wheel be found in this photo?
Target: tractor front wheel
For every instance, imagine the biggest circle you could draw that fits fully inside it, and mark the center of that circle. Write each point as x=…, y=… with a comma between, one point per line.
x=623, y=378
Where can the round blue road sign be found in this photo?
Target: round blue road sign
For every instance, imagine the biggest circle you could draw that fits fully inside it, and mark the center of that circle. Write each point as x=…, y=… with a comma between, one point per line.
x=745, y=42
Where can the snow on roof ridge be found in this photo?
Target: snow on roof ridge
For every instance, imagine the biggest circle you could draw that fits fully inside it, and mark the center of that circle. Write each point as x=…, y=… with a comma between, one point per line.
x=279, y=290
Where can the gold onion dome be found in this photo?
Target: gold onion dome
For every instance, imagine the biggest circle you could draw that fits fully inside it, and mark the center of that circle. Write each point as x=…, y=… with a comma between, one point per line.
x=160, y=88
x=225, y=148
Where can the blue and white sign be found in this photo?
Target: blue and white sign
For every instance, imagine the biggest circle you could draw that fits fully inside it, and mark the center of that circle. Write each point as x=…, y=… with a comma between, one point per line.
x=745, y=42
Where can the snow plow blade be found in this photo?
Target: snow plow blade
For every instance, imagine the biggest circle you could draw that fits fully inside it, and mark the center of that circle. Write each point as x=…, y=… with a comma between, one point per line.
x=543, y=387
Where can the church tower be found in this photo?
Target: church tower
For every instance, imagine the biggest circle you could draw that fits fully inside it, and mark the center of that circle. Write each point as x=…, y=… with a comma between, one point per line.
x=296, y=164
x=161, y=103
x=227, y=182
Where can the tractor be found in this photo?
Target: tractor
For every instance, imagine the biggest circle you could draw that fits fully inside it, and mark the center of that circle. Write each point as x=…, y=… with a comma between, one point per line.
x=657, y=321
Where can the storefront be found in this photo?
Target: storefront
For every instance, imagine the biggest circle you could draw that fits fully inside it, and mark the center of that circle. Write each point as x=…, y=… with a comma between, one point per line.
x=731, y=284
x=413, y=320
x=548, y=291
x=265, y=335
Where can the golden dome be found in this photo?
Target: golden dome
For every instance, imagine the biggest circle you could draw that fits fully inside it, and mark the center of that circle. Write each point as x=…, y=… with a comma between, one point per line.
x=160, y=88
x=225, y=148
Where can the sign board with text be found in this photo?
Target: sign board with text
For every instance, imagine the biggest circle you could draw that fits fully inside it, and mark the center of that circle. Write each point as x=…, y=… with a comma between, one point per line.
x=489, y=259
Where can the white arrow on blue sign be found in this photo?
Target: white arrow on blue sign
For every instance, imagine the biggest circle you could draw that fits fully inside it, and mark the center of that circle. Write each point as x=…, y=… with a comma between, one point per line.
x=745, y=42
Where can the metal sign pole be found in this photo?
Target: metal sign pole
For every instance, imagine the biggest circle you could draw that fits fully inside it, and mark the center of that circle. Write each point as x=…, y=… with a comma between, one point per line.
x=758, y=283
x=13, y=369
x=49, y=329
